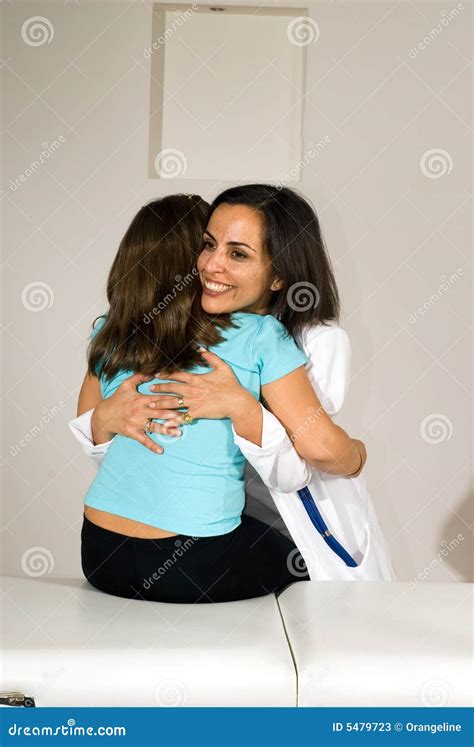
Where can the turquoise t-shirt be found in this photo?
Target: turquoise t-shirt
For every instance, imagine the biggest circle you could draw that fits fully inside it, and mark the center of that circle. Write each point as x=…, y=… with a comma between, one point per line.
x=196, y=486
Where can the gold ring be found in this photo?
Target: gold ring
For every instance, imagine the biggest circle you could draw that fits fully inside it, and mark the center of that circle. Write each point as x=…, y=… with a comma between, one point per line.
x=187, y=418
x=148, y=426
x=181, y=402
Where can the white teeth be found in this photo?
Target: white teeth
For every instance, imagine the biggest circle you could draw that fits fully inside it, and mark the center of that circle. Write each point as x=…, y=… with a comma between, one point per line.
x=217, y=287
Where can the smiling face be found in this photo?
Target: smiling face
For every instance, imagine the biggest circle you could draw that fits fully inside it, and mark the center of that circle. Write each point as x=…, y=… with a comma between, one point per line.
x=234, y=267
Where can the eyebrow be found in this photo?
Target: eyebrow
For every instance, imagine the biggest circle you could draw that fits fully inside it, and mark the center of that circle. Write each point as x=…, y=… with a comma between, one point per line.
x=231, y=243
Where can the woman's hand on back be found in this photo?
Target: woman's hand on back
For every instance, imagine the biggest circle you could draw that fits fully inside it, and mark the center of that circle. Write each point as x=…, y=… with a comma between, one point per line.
x=217, y=394
x=126, y=412
x=214, y=395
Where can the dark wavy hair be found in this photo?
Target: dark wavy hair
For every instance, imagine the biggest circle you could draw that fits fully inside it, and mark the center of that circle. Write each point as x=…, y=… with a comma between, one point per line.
x=155, y=320
x=294, y=242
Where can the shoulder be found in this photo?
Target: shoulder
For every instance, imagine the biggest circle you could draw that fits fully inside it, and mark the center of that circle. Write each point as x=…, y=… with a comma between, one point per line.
x=97, y=324
x=275, y=350
x=260, y=326
x=245, y=320
x=328, y=336
x=328, y=349
x=270, y=327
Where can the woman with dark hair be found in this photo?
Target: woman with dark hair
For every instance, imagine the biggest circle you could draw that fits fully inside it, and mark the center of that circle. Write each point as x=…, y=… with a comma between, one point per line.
x=291, y=238
x=139, y=507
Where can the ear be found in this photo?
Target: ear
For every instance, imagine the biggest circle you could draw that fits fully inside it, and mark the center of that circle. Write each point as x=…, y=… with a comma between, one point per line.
x=276, y=285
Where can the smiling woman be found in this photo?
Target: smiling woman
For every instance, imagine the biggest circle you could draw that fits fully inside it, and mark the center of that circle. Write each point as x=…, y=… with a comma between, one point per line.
x=196, y=487
x=267, y=243
x=233, y=265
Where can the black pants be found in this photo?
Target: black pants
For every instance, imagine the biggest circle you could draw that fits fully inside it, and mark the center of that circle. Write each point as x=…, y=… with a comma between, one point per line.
x=251, y=561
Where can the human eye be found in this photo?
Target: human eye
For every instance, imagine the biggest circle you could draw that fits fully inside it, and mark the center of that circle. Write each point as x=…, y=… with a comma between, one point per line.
x=239, y=255
x=207, y=245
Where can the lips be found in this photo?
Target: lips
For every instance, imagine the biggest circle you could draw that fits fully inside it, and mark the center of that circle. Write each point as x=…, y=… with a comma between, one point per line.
x=212, y=288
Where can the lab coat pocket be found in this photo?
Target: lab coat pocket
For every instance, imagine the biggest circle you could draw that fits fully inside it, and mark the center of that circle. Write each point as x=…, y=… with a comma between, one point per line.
x=325, y=565
x=379, y=546
x=376, y=564
x=368, y=568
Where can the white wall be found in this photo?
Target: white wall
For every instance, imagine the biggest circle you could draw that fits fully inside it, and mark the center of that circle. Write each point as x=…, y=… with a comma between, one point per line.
x=215, y=109
x=393, y=230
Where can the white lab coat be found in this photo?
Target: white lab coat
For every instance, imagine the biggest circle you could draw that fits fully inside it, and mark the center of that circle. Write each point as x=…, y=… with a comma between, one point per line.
x=344, y=503
x=275, y=472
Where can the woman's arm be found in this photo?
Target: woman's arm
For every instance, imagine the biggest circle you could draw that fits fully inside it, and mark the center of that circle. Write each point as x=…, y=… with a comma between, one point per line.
x=124, y=412
x=291, y=398
x=81, y=426
x=316, y=438
x=90, y=398
x=329, y=355
x=277, y=461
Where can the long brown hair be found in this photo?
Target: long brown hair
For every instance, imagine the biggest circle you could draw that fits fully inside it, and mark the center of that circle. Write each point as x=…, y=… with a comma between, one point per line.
x=155, y=320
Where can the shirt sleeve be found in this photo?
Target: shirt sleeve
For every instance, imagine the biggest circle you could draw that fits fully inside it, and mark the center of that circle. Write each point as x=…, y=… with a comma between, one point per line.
x=276, y=460
x=98, y=324
x=81, y=426
x=94, y=329
x=275, y=351
x=82, y=430
x=329, y=352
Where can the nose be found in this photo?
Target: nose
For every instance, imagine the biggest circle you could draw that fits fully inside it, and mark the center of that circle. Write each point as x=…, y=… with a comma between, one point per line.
x=215, y=262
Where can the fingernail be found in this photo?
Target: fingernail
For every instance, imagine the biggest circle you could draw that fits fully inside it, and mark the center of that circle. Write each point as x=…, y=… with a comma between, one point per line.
x=175, y=432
